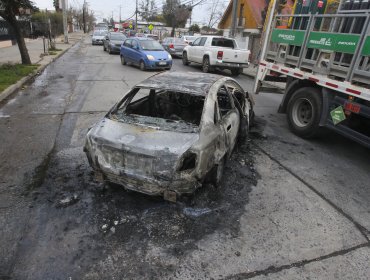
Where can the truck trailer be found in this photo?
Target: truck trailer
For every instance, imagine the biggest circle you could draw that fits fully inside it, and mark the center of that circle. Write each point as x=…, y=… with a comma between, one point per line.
x=321, y=51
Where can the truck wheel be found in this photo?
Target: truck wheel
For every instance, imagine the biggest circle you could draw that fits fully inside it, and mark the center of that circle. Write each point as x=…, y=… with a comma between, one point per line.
x=185, y=60
x=304, y=112
x=205, y=66
x=236, y=72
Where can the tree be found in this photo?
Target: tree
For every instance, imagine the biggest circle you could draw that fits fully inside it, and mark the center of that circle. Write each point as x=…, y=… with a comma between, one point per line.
x=10, y=10
x=194, y=28
x=176, y=14
x=148, y=10
x=215, y=12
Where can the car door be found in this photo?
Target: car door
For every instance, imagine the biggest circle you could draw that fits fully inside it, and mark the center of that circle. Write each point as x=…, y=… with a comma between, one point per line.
x=192, y=50
x=126, y=50
x=135, y=49
x=199, y=51
x=229, y=117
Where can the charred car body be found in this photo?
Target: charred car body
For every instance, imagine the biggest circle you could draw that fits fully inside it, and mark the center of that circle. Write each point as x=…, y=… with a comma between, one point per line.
x=170, y=133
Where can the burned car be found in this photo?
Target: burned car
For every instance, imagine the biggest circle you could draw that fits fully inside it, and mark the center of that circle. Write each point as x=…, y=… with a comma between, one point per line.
x=170, y=133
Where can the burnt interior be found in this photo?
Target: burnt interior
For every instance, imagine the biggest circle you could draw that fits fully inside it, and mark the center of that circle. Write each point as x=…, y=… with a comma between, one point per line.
x=168, y=105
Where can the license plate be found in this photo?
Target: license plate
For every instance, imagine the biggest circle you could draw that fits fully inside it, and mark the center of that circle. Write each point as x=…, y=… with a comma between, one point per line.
x=162, y=63
x=353, y=107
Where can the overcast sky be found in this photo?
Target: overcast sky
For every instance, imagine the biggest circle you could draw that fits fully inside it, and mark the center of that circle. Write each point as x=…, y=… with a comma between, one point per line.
x=104, y=8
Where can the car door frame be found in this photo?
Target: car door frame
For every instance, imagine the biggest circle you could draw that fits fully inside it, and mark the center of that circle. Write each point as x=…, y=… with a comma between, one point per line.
x=230, y=121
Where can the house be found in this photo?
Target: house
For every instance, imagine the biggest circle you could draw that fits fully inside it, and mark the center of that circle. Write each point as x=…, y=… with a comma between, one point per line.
x=249, y=23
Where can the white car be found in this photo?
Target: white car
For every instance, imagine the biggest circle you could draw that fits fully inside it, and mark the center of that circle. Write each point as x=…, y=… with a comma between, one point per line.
x=216, y=52
x=98, y=37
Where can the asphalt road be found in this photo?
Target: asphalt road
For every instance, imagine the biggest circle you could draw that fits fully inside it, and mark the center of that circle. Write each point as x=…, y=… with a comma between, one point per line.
x=288, y=208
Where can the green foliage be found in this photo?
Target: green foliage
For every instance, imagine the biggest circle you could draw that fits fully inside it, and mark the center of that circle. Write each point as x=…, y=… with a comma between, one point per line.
x=194, y=28
x=56, y=21
x=11, y=73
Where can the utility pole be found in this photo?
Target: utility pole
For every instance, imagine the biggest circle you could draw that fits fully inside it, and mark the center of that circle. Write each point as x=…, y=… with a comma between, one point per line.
x=84, y=15
x=136, y=17
x=64, y=7
x=119, y=13
x=233, y=18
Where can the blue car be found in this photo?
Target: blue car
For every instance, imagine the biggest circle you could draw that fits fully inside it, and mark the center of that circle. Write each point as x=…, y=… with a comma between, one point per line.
x=146, y=53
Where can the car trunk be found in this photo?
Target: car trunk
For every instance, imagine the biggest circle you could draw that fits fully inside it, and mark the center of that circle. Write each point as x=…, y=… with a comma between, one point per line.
x=140, y=151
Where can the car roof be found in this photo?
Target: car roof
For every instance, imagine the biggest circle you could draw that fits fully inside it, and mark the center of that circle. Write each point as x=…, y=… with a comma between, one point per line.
x=143, y=38
x=189, y=82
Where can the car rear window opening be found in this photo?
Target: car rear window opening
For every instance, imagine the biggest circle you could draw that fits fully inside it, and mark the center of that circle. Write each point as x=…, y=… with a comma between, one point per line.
x=223, y=42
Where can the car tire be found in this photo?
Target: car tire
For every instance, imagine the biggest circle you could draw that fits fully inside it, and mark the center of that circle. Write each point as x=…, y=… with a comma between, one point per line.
x=205, y=66
x=185, y=60
x=217, y=173
x=104, y=49
x=109, y=50
x=304, y=112
x=142, y=65
x=123, y=61
x=236, y=72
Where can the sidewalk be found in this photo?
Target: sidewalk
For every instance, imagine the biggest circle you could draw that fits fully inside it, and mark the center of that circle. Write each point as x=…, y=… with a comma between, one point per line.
x=37, y=56
x=36, y=49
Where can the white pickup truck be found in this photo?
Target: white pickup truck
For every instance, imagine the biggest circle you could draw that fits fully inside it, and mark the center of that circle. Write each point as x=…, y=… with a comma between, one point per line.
x=216, y=52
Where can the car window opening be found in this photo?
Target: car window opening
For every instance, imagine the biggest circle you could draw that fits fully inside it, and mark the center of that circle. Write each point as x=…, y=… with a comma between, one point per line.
x=224, y=102
x=165, y=109
x=223, y=42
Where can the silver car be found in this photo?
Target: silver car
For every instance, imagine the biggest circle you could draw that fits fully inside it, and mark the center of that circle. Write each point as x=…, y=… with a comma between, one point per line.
x=98, y=37
x=170, y=133
x=174, y=46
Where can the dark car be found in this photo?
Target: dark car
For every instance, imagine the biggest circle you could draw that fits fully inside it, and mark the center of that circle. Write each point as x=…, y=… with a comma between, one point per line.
x=174, y=46
x=170, y=133
x=113, y=41
x=146, y=53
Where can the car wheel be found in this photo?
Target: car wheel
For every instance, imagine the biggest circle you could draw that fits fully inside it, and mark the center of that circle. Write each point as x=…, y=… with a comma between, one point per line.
x=123, y=61
x=142, y=65
x=217, y=173
x=104, y=49
x=185, y=60
x=304, y=112
x=205, y=65
x=236, y=72
x=109, y=50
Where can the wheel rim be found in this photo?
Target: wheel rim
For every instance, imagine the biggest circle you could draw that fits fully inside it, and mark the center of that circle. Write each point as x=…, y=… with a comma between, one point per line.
x=122, y=60
x=302, y=112
x=205, y=65
x=142, y=66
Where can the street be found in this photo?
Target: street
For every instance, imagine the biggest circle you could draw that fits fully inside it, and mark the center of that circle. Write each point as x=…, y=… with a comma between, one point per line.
x=288, y=208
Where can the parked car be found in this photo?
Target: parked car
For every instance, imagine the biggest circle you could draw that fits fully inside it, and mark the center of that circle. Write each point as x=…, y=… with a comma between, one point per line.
x=113, y=41
x=174, y=46
x=216, y=52
x=98, y=37
x=170, y=133
x=146, y=53
x=188, y=39
x=152, y=36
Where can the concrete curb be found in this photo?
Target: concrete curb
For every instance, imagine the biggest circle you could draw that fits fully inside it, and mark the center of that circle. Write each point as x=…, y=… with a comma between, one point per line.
x=18, y=85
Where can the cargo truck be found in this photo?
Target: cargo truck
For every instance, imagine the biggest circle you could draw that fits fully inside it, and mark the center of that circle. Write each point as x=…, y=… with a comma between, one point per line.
x=321, y=51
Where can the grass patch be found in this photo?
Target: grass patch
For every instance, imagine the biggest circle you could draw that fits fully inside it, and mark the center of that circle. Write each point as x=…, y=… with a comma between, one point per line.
x=11, y=73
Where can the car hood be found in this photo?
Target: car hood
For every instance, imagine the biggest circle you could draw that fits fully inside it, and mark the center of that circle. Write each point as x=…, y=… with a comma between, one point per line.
x=98, y=37
x=157, y=54
x=140, y=139
x=116, y=42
